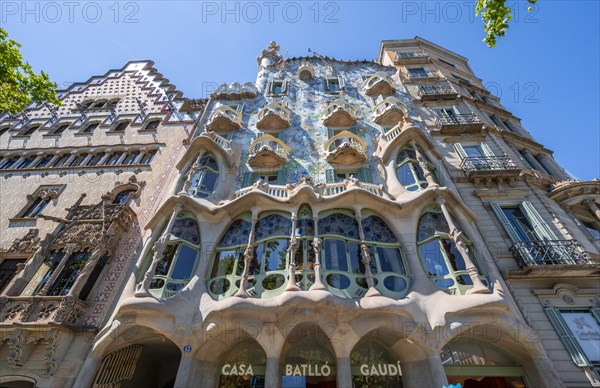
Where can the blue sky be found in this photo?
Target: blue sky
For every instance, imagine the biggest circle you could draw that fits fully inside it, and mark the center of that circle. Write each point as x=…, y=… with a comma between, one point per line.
x=546, y=70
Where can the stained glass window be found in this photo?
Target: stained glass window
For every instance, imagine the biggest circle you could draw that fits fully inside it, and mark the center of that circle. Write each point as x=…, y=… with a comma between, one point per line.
x=339, y=224
x=375, y=229
x=237, y=234
x=273, y=225
x=186, y=228
x=409, y=171
x=205, y=179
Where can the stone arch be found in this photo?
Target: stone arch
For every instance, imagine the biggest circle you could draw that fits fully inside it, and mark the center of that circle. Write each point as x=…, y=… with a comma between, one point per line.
x=18, y=381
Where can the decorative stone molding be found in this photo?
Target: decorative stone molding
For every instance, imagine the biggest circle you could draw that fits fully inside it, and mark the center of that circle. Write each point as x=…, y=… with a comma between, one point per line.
x=15, y=344
x=306, y=71
x=572, y=191
x=52, y=337
x=26, y=244
x=235, y=91
x=270, y=56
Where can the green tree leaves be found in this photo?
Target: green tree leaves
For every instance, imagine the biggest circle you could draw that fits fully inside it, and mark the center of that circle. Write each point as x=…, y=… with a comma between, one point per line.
x=495, y=15
x=19, y=85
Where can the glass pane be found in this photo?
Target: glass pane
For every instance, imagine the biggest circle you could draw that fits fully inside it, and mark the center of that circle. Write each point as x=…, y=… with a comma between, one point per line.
x=395, y=283
x=184, y=265
x=334, y=252
x=520, y=223
x=339, y=281
x=275, y=254
x=273, y=225
x=165, y=263
x=405, y=175
x=208, y=183
x=224, y=262
x=186, y=229
x=473, y=151
x=430, y=223
x=456, y=260
x=256, y=262
x=340, y=224
x=356, y=263
x=219, y=286
x=69, y=273
x=273, y=282
x=433, y=259
x=390, y=260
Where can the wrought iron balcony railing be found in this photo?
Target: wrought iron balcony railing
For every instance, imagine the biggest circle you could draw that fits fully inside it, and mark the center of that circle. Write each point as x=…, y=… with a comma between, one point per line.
x=459, y=119
x=487, y=163
x=437, y=90
x=411, y=57
x=549, y=252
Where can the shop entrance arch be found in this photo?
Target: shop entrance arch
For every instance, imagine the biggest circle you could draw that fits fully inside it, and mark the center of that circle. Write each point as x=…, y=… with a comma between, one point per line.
x=244, y=366
x=373, y=365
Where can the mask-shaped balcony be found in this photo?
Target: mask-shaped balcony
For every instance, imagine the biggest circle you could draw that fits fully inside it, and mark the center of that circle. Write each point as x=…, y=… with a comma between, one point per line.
x=340, y=113
x=248, y=90
x=273, y=116
x=235, y=91
x=389, y=111
x=346, y=149
x=379, y=84
x=306, y=71
x=268, y=152
x=224, y=119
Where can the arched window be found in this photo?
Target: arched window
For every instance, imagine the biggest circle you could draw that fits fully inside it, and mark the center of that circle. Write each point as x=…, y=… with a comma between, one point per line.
x=69, y=273
x=230, y=253
x=442, y=262
x=122, y=197
x=268, y=266
x=205, y=178
x=409, y=170
x=373, y=365
x=177, y=266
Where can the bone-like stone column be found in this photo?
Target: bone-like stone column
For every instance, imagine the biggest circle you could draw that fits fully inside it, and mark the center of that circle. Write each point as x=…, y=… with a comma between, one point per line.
x=159, y=249
x=242, y=292
x=455, y=235
x=292, y=252
x=316, y=245
x=366, y=256
x=426, y=171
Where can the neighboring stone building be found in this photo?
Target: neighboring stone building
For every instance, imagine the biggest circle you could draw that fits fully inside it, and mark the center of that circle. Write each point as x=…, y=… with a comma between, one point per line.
x=428, y=238
x=77, y=185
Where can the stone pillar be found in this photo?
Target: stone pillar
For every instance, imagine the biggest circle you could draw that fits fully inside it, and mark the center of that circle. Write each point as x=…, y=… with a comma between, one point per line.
x=316, y=245
x=455, y=235
x=540, y=372
x=86, y=375
x=272, y=374
x=71, y=158
x=292, y=252
x=423, y=164
x=532, y=160
x=52, y=161
x=365, y=255
x=550, y=165
x=103, y=160
x=38, y=157
x=428, y=372
x=248, y=254
x=343, y=375
x=593, y=206
x=87, y=159
x=122, y=158
x=139, y=156
x=159, y=248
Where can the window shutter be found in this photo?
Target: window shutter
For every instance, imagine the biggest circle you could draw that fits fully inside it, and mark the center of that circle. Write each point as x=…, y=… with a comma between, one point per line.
x=330, y=175
x=342, y=83
x=249, y=179
x=326, y=84
x=487, y=151
x=240, y=108
x=354, y=130
x=281, y=135
x=364, y=174
x=271, y=88
x=329, y=133
x=230, y=135
x=566, y=336
x=540, y=227
x=282, y=175
x=379, y=99
x=507, y=226
x=284, y=87
x=460, y=150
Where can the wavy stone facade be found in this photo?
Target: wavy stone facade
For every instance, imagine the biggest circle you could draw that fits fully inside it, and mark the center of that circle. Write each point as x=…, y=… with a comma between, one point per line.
x=336, y=223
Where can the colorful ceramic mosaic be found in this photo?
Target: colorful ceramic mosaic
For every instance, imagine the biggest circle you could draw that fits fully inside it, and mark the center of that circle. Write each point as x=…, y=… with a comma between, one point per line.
x=340, y=224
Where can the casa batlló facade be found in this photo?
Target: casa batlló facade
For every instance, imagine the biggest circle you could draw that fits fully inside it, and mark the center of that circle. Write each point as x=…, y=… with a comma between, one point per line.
x=336, y=223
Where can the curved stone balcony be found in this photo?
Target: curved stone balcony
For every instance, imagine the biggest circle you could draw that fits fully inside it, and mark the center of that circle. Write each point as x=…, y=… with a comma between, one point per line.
x=273, y=116
x=306, y=71
x=235, y=91
x=268, y=152
x=224, y=119
x=379, y=84
x=346, y=149
x=389, y=111
x=340, y=113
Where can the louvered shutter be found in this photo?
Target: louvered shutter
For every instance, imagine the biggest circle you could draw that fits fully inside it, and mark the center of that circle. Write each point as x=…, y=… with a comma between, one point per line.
x=271, y=88
x=460, y=150
x=284, y=87
x=330, y=175
x=329, y=133
x=326, y=84
x=281, y=136
x=341, y=83
x=566, y=336
x=487, y=151
x=507, y=225
x=282, y=176
x=364, y=175
x=249, y=179
x=542, y=230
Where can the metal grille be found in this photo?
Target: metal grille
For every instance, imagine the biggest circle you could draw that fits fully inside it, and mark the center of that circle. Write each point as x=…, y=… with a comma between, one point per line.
x=487, y=163
x=467, y=118
x=432, y=90
x=550, y=252
x=117, y=366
